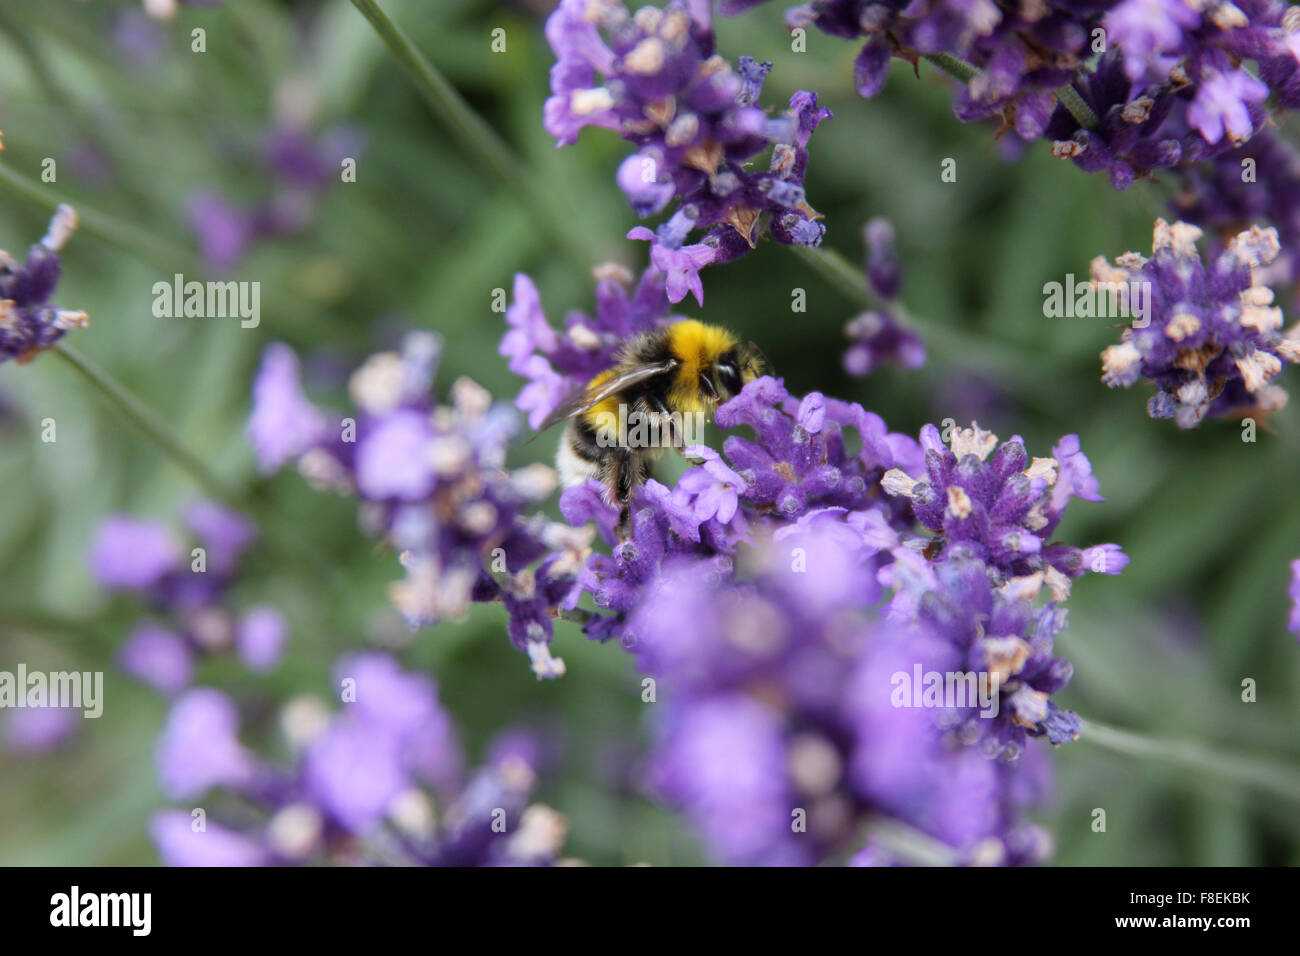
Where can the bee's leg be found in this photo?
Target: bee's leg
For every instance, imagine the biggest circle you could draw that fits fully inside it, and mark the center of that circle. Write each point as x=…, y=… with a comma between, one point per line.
x=625, y=470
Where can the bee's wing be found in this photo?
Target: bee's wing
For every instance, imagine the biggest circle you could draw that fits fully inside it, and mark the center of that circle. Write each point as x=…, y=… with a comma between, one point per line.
x=587, y=397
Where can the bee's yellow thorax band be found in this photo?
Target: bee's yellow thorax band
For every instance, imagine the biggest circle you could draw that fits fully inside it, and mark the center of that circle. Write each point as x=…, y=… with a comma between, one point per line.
x=696, y=346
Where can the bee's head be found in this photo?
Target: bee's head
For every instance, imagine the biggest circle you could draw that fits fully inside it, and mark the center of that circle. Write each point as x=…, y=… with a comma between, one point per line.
x=737, y=367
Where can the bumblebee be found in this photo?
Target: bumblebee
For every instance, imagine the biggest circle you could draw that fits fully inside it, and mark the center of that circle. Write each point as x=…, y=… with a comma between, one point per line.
x=662, y=388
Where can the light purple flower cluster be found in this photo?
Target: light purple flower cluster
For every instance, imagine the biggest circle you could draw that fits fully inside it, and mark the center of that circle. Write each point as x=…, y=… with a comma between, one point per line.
x=972, y=576
x=697, y=126
x=799, y=464
x=28, y=323
x=298, y=165
x=378, y=781
x=750, y=590
x=39, y=730
x=187, y=593
x=877, y=335
x=432, y=481
x=1212, y=342
x=556, y=364
x=787, y=729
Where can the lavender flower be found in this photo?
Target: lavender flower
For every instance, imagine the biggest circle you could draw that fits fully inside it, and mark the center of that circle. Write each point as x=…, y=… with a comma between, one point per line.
x=1172, y=88
x=379, y=781
x=187, y=591
x=432, y=483
x=199, y=747
x=883, y=268
x=131, y=554
x=697, y=127
x=28, y=323
x=749, y=591
x=1213, y=343
x=1023, y=52
x=877, y=335
x=158, y=657
x=1256, y=183
x=284, y=423
x=39, y=730
x=181, y=844
x=555, y=364
x=994, y=503
x=799, y=465
x=779, y=731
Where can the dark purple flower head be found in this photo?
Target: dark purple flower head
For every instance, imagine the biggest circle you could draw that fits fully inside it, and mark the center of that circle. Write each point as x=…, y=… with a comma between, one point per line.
x=1256, y=183
x=697, y=126
x=883, y=268
x=999, y=506
x=1211, y=340
x=787, y=692
x=28, y=323
x=1174, y=85
x=877, y=337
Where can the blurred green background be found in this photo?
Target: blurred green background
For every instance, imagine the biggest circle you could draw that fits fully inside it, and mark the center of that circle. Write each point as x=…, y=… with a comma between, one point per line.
x=422, y=239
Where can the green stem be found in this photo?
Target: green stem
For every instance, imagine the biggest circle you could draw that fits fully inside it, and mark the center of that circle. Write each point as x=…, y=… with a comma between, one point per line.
x=1252, y=770
x=577, y=615
x=123, y=235
x=1081, y=111
x=147, y=421
x=476, y=135
x=959, y=69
